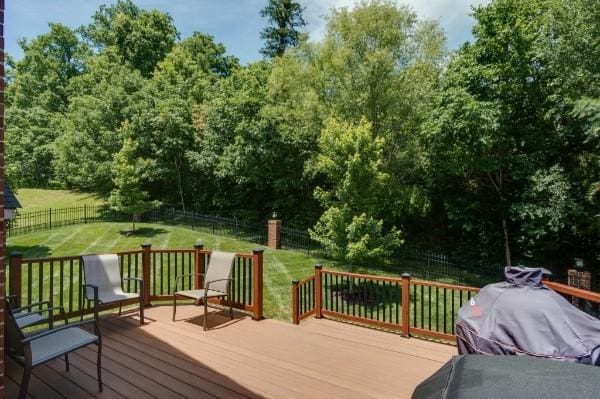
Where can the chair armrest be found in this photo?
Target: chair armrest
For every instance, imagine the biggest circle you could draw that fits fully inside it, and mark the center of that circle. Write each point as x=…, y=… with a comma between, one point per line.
x=31, y=305
x=185, y=275
x=208, y=283
x=55, y=330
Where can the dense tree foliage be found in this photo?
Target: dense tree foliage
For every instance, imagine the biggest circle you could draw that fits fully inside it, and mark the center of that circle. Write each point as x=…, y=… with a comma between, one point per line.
x=371, y=136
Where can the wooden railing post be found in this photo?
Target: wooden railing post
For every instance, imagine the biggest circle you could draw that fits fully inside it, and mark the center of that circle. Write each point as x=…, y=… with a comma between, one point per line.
x=406, y=304
x=146, y=255
x=198, y=265
x=318, y=291
x=257, y=283
x=295, y=303
x=15, y=260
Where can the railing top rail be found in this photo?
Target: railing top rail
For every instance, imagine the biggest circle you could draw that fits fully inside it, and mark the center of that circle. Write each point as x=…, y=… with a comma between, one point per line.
x=125, y=253
x=172, y=250
x=442, y=285
x=576, y=292
x=306, y=280
x=363, y=276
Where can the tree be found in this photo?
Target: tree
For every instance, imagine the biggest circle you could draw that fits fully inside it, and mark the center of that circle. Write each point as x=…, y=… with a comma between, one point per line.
x=91, y=135
x=352, y=227
x=128, y=196
x=163, y=121
x=503, y=137
x=284, y=19
x=36, y=98
x=140, y=38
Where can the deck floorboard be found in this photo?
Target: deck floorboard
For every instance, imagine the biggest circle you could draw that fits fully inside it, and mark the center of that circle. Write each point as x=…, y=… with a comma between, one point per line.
x=237, y=359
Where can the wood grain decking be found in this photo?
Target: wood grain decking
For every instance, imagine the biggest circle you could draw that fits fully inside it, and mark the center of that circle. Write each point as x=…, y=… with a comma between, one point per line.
x=237, y=359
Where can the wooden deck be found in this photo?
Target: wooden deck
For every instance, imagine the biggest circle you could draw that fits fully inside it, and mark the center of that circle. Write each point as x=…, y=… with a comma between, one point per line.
x=237, y=359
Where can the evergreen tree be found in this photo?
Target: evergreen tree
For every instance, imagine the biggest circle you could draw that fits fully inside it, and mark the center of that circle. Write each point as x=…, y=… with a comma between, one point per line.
x=285, y=18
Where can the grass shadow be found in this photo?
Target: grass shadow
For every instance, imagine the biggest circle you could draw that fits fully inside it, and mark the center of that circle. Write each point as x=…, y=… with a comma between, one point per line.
x=30, y=251
x=143, y=232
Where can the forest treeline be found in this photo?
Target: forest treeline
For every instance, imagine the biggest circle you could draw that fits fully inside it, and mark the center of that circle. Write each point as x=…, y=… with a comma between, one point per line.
x=373, y=136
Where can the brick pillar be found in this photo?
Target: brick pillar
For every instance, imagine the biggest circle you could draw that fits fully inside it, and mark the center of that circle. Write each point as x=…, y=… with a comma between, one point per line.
x=2, y=227
x=579, y=279
x=274, y=239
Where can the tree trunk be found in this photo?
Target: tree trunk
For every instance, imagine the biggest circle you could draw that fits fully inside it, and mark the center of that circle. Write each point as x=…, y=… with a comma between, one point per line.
x=506, y=243
x=179, y=183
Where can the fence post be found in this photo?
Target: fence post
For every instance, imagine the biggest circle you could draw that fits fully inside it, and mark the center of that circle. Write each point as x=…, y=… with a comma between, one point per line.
x=318, y=291
x=15, y=260
x=146, y=248
x=295, y=304
x=198, y=264
x=406, y=304
x=257, y=283
x=84, y=214
x=50, y=217
x=274, y=233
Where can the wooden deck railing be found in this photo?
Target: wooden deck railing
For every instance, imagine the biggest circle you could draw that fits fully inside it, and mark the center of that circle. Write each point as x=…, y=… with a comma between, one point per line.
x=587, y=301
x=58, y=279
x=411, y=306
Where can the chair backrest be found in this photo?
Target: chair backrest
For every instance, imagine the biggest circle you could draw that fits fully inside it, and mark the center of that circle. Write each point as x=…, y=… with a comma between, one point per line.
x=219, y=267
x=102, y=271
x=14, y=335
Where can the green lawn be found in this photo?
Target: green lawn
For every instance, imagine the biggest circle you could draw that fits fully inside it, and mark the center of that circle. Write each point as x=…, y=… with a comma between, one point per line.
x=280, y=267
x=34, y=199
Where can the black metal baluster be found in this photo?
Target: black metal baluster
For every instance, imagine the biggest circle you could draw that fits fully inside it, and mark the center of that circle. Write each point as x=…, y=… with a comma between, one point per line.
x=429, y=299
x=437, y=309
x=41, y=281
x=71, y=285
x=422, y=306
x=169, y=274
x=398, y=295
x=61, y=283
x=445, y=312
x=337, y=293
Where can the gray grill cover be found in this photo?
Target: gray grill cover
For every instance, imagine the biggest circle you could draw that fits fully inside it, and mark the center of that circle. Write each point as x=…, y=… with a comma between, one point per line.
x=523, y=317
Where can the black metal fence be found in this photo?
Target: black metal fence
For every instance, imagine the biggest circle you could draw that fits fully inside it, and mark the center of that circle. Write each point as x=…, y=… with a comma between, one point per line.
x=226, y=226
x=47, y=219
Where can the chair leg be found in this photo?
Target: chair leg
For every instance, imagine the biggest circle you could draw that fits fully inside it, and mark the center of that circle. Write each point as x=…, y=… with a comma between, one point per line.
x=174, y=306
x=120, y=307
x=67, y=361
x=141, y=310
x=99, y=366
x=25, y=382
x=230, y=307
x=205, y=312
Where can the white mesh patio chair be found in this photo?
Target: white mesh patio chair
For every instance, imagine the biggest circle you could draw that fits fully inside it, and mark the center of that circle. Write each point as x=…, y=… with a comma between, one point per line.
x=103, y=272
x=217, y=283
x=38, y=348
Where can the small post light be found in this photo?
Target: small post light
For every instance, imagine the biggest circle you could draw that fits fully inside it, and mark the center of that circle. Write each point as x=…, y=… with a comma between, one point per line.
x=578, y=263
x=274, y=215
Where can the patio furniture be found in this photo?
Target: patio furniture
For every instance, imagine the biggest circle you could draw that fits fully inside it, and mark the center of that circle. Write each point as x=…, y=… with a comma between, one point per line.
x=217, y=283
x=39, y=348
x=103, y=283
x=25, y=316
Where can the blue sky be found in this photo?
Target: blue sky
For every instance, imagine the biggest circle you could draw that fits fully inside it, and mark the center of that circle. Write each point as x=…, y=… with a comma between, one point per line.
x=235, y=23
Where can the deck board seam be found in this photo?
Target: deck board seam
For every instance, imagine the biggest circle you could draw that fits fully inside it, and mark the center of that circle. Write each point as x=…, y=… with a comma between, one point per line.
x=171, y=364
x=290, y=366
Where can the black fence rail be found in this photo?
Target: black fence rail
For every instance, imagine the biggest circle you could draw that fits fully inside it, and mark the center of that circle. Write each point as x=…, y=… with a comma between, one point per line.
x=47, y=219
x=227, y=226
x=298, y=240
